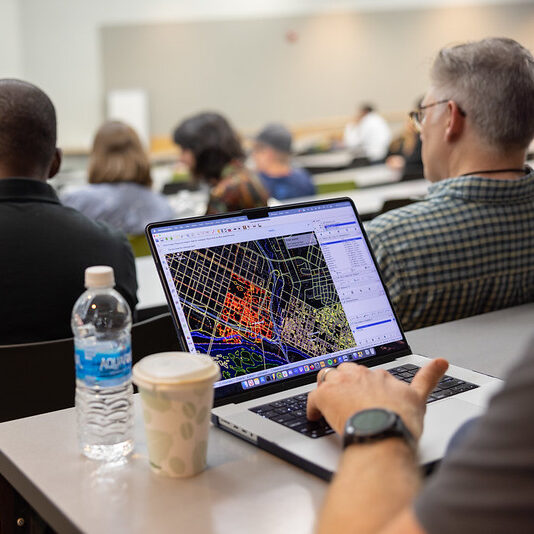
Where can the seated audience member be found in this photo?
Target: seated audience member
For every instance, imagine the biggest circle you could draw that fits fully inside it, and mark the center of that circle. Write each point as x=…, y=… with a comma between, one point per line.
x=368, y=132
x=213, y=153
x=468, y=247
x=45, y=246
x=485, y=485
x=406, y=155
x=119, y=183
x=272, y=157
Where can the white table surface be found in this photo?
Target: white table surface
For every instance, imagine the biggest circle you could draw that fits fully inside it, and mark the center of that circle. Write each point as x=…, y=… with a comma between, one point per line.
x=244, y=489
x=370, y=176
x=370, y=200
x=337, y=158
x=149, y=290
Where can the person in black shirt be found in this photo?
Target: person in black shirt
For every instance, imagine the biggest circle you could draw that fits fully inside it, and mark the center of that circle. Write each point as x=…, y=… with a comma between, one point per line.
x=45, y=246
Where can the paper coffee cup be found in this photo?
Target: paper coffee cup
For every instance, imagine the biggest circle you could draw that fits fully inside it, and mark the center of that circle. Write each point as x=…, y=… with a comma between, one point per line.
x=176, y=391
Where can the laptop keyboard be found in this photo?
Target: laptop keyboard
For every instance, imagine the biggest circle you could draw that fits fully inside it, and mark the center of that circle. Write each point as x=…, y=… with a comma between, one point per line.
x=291, y=412
x=447, y=386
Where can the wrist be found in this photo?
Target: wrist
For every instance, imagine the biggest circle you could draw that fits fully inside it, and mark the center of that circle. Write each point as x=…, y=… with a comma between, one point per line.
x=389, y=455
x=393, y=445
x=393, y=451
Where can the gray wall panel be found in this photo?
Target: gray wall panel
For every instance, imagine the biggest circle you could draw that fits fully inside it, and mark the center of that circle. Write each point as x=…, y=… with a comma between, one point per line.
x=248, y=70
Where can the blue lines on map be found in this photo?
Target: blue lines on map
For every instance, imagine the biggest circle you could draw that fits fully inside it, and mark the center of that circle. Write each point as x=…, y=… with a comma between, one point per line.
x=342, y=241
x=373, y=324
x=339, y=224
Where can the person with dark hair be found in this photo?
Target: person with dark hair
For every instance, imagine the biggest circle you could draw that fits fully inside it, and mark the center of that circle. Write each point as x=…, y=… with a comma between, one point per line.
x=45, y=246
x=272, y=156
x=213, y=153
x=119, y=191
x=368, y=134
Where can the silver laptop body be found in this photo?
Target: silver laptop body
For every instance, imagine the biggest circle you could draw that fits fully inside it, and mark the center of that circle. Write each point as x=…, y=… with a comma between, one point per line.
x=274, y=295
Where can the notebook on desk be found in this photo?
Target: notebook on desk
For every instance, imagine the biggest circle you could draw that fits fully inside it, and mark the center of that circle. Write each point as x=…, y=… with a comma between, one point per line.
x=276, y=294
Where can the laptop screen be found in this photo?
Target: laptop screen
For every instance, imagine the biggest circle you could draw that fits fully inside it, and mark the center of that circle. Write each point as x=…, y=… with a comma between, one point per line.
x=278, y=296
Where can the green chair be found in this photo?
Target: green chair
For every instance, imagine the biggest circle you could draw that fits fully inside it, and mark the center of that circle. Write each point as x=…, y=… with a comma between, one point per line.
x=139, y=245
x=335, y=187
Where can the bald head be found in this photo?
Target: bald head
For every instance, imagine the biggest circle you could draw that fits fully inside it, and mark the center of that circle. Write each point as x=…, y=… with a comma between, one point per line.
x=27, y=130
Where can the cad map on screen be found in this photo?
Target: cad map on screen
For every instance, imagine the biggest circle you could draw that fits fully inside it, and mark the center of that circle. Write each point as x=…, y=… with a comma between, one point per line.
x=260, y=304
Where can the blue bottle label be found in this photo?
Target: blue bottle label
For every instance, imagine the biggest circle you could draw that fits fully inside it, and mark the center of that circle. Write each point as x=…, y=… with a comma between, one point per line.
x=99, y=367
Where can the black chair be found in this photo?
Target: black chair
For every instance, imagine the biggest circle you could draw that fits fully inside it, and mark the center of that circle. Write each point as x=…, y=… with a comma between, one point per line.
x=156, y=334
x=36, y=378
x=39, y=377
x=175, y=187
x=395, y=203
x=142, y=314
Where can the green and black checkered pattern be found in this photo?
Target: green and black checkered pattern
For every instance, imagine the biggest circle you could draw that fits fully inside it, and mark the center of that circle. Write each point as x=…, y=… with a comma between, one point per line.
x=467, y=248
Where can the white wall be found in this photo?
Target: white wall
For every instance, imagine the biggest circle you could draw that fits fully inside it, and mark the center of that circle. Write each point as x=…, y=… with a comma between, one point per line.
x=59, y=42
x=247, y=69
x=10, y=43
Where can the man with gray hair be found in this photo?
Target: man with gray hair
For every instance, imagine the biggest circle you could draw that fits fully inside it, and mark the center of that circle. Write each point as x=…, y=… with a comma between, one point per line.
x=468, y=247
x=486, y=484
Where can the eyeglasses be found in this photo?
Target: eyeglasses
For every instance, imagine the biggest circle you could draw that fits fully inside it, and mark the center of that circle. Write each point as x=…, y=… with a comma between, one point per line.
x=417, y=116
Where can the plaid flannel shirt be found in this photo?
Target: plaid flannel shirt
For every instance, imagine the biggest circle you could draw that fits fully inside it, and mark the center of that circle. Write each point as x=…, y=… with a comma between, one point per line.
x=466, y=249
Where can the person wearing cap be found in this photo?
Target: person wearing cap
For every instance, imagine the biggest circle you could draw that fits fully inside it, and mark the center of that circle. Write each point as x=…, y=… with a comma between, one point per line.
x=272, y=157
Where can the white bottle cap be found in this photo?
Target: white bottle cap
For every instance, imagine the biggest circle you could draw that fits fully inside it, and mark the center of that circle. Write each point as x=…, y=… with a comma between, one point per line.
x=99, y=276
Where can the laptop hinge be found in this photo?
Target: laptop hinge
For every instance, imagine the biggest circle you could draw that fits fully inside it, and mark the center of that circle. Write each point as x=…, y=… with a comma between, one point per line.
x=276, y=387
x=379, y=360
x=257, y=213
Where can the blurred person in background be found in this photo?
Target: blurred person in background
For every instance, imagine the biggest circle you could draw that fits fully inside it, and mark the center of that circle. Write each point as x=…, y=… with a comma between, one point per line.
x=119, y=191
x=368, y=133
x=272, y=158
x=406, y=151
x=212, y=151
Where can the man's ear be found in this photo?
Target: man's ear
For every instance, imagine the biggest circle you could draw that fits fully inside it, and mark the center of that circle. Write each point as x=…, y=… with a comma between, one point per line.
x=56, y=163
x=455, y=121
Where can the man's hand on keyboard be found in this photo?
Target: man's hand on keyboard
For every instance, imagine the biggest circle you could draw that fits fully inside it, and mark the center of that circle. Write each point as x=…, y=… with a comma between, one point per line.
x=350, y=388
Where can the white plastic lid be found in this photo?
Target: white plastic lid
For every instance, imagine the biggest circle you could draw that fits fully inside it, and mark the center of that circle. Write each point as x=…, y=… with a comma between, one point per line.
x=168, y=369
x=99, y=276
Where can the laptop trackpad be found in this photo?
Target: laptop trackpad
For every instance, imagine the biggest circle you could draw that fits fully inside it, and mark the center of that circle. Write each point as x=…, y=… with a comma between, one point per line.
x=442, y=420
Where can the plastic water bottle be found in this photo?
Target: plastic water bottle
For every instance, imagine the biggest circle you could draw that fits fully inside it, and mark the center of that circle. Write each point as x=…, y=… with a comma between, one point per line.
x=101, y=322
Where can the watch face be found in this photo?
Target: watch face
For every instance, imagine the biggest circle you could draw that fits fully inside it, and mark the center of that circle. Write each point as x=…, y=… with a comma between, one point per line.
x=370, y=422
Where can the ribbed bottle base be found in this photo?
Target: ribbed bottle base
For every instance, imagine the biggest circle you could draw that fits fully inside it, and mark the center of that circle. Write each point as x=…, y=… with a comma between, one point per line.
x=108, y=453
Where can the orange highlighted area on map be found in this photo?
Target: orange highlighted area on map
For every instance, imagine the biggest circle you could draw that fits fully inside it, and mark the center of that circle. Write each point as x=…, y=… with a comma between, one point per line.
x=245, y=305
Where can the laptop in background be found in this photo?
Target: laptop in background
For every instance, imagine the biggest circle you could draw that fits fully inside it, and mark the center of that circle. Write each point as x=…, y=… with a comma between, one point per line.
x=276, y=294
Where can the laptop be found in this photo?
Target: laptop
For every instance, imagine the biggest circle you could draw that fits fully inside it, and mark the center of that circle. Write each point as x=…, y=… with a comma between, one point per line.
x=275, y=294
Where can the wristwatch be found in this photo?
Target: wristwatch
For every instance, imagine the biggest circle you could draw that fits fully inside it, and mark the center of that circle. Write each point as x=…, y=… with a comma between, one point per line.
x=375, y=424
